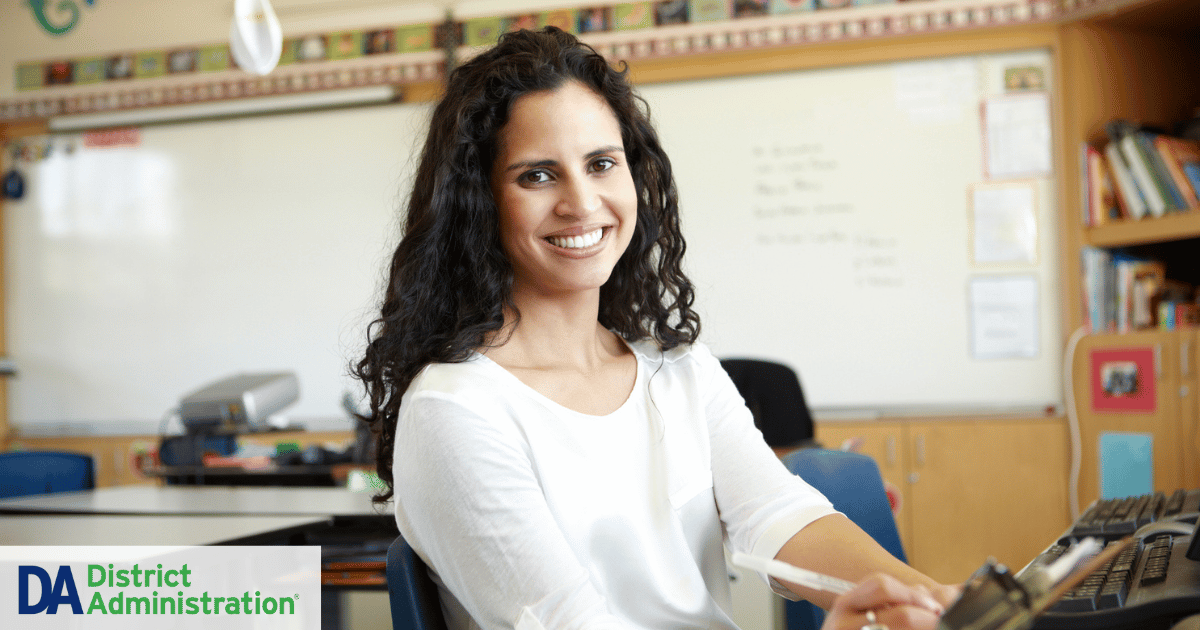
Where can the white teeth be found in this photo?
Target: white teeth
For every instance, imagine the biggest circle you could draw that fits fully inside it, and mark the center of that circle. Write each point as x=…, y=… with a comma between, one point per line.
x=576, y=242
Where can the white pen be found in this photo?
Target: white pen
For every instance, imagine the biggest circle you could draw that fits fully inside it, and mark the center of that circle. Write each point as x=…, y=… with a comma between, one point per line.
x=793, y=574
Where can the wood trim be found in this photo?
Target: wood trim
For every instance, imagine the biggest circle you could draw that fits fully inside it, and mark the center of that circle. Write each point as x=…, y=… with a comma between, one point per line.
x=836, y=54
x=9, y=131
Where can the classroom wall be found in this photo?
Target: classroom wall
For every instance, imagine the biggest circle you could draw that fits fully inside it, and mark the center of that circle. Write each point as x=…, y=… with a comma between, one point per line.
x=110, y=26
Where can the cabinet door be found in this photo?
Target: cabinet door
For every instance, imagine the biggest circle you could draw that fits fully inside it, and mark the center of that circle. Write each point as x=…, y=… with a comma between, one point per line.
x=883, y=441
x=1099, y=412
x=1189, y=406
x=980, y=489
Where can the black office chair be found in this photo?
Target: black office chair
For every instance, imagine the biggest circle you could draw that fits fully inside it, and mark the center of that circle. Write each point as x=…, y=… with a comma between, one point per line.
x=412, y=594
x=41, y=472
x=772, y=392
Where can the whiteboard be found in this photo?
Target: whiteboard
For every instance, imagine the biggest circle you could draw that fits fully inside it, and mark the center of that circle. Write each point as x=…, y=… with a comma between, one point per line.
x=138, y=274
x=828, y=227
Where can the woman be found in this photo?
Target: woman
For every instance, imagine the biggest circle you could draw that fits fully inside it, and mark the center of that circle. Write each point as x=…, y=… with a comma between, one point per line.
x=562, y=453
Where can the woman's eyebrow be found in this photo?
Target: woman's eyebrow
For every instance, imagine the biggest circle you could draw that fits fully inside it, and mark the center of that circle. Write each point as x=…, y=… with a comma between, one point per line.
x=530, y=164
x=612, y=148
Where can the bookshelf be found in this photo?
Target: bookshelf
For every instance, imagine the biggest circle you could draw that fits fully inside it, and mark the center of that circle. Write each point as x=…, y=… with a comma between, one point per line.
x=1170, y=228
x=1134, y=60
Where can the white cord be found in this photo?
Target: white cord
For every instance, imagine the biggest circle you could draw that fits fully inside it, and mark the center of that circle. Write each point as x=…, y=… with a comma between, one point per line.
x=1073, y=419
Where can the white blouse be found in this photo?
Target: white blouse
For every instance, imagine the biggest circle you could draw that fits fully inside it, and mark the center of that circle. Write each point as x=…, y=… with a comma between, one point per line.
x=532, y=515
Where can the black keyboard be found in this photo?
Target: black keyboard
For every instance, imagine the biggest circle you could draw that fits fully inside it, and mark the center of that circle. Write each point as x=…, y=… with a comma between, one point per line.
x=1152, y=584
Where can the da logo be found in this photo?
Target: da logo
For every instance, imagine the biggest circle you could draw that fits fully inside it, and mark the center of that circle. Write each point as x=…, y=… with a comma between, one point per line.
x=52, y=596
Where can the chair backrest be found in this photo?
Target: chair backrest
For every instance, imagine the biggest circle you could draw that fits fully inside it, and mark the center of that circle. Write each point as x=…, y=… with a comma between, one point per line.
x=852, y=482
x=412, y=594
x=772, y=392
x=40, y=472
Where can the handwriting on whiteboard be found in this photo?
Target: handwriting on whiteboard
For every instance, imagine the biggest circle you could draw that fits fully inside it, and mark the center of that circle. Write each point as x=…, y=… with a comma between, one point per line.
x=797, y=200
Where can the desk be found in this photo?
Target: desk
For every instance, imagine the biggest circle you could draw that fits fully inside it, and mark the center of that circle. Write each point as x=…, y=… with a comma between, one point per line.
x=347, y=525
x=90, y=530
x=314, y=476
x=202, y=500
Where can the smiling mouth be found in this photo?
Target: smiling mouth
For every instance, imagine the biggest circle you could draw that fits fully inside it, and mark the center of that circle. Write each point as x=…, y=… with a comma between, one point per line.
x=577, y=242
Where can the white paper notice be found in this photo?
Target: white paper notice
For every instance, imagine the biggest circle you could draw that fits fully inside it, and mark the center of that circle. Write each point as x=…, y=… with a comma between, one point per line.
x=936, y=92
x=1004, y=225
x=1018, y=136
x=1004, y=318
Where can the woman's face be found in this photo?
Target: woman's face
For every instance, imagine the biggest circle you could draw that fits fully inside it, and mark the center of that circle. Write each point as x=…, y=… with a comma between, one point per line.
x=564, y=190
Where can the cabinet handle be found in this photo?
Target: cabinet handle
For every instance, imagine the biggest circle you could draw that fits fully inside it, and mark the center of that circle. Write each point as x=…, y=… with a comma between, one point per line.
x=1158, y=361
x=914, y=477
x=920, y=450
x=891, y=450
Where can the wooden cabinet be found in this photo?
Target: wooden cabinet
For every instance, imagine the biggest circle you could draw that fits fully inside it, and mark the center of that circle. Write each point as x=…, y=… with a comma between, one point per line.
x=1136, y=61
x=971, y=488
x=1170, y=421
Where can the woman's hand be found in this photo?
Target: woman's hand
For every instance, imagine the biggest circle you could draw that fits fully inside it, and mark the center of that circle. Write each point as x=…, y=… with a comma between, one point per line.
x=887, y=602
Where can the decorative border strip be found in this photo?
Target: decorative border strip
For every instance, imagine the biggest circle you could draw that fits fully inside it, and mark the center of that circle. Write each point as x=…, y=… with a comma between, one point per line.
x=677, y=40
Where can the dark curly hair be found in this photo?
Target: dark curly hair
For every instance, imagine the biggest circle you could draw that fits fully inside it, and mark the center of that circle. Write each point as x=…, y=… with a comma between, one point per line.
x=450, y=282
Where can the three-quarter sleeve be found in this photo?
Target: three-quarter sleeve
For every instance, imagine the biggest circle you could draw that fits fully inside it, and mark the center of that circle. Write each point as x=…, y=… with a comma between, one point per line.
x=761, y=503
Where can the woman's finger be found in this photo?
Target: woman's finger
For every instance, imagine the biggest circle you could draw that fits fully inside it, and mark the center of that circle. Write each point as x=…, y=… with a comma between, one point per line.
x=882, y=591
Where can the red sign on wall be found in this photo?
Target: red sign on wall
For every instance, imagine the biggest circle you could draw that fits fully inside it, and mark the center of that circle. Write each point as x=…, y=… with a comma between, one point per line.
x=1123, y=380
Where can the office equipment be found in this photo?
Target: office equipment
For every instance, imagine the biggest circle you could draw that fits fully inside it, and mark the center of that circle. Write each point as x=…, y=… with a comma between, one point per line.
x=1151, y=584
x=239, y=403
x=412, y=594
x=851, y=481
x=993, y=599
x=772, y=392
x=43, y=472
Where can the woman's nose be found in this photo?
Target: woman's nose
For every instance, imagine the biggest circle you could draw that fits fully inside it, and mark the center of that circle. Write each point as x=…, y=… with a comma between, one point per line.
x=580, y=198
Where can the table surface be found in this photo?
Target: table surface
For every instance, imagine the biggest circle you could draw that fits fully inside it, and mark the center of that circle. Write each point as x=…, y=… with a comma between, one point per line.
x=144, y=530
x=201, y=500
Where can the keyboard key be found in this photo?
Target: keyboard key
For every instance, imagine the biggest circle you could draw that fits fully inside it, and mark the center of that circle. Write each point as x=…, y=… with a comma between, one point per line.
x=1076, y=601
x=1114, y=592
x=1175, y=503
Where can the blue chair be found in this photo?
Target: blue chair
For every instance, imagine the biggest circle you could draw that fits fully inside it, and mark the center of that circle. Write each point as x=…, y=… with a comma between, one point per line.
x=40, y=472
x=412, y=594
x=853, y=484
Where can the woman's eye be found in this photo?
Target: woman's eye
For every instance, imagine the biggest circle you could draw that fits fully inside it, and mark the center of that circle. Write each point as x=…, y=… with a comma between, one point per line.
x=603, y=164
x=534, y=177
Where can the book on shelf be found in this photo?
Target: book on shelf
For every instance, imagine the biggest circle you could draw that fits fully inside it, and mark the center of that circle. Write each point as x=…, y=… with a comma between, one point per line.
x=1133, y=204
x=1182, y=160
x=1177, y=306
x=1099, y=299
x=1124, y=292
x=1100, y=199
x=1149, y=174
x=1137, y=283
